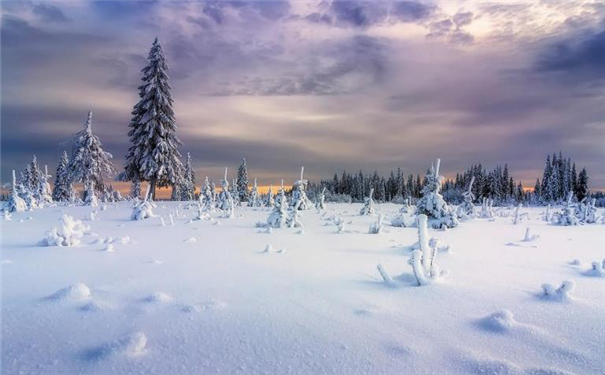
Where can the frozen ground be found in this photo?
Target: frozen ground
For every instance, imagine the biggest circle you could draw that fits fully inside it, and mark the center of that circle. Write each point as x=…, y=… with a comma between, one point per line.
x=203, y=297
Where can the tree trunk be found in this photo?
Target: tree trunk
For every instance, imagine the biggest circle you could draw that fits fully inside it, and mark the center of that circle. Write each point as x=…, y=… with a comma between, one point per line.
x=152, y=190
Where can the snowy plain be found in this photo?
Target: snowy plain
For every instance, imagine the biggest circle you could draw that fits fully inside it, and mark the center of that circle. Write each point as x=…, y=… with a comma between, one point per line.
x=204, y=297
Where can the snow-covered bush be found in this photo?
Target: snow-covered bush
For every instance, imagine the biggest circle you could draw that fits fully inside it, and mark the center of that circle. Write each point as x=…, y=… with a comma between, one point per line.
x=530, y=237
x=254, y=198
x=44, y=189
x=143, y=209
x=562, y=293
x=279, y=216
x=432, y=203
x=377, y=227
x=206, y=198
x=597, y=269
x=568, y=216
x=467, y=209
x=68, y=234
x=487, y=211
x=547, y=215
x=587, y=211
x=423, y=259
x=295, y=216
x=321, y=201
x=225, y=199
x=368, y=205
x=518, y=216
x=402, y=219
x=15, y=203
x=299, y=194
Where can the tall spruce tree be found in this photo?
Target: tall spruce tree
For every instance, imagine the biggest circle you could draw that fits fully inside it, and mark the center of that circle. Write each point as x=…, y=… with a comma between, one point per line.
x=242, y=182
x=153, y=155
x=188, y=184
x=89, y=163
x=582, y=191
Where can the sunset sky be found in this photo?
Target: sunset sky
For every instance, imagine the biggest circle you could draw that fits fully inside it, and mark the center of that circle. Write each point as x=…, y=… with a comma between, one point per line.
x=328, y=85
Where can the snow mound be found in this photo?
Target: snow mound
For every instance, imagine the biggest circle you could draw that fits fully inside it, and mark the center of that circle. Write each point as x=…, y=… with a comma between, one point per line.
x=76, y=292
x=68, y=234
x=562, y=293
x=130, y=345
x=501, y=321
x=596, y=270
x=158, y=297
x=191, y=240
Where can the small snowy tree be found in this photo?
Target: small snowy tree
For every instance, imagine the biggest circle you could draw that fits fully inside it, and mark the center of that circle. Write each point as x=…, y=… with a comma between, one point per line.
x=377, y=227
x=254, y=198
x=568, y=216
x=587, y=211
x=15, y=203
x=241, y=183
x=402, y=219
x=294, y=220
x=63, y=189
x=187, y=188
x=31, y=179
x=279, y=216
x=368, y=206
x=25, y=193
x=320, y=205
x=225, y=201
x=153, y=155
x=89, y=163
x=44, y=189
x=299, y=193
x=432, y=203
x=270, y=199
x=467, y=209
x=206, y=197
x=487, y=211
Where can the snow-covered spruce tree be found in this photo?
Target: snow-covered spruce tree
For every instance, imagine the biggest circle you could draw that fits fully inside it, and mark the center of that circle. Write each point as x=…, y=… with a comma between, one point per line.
x=368, y=205
x=279, y=216
x=320, y=205
x=63, y=189
x=587, y=211
x=294, y=220
x=25, y=192
x=241, y=183
x=44, y=189
x=299, y=193
x=176, y=192
x=188, y=184
x=153, y=155
x=270, y=199
x=254, y=198
x=225, y=200
x=568, y=215
x=206, y=197
x=15, y=203
x=423, y=259
x=467, y=209
x=89, y=163
x=432, y=203
x=31, y=179
x=235, y=193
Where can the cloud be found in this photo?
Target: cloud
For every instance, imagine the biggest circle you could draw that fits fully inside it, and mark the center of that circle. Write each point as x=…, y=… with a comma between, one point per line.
x=49, y=13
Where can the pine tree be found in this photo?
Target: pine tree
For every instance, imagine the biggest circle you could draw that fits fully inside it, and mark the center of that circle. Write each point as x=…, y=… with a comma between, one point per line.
x=187, y=188
x=582, y=191
x=44, y=189
x=574, y=180
x=31, y=180
x=89, y=163
x=242, y=182
x=537, y=191
x=63, y=189
x=153, y=155
x=15, y=203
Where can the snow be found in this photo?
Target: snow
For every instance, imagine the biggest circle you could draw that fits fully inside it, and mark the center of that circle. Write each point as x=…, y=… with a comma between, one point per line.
x=160, y=305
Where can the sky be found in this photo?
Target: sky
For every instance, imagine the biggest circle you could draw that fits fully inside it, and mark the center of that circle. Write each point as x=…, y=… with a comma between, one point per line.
x=330, y=85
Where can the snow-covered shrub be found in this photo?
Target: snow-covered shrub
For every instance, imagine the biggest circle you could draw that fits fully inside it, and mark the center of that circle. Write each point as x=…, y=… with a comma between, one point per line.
x=587, y=211
x=6, y=215
x=279, y=216
x=299, y=195
x=432, y=203
x=206, y=198
x=295, y=216
x=254, y=198
x=68, y=234
x=385, y=276
x=340, y=225
x=225, y=200
x=487, y=211
x=270, y=199
x=377, y=227
x=423, y=259
x=44, y=190
x=368, y=205
x=596, y=270
x=568, y=216
x=321, y=201
x=547, y=214
x=467, y=209
x=143, y=209
x=562, y=293
x=15, y=203
x=402, y=218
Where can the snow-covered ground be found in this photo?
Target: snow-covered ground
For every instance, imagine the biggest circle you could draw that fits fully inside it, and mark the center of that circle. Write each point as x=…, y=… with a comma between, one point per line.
x=204, y=297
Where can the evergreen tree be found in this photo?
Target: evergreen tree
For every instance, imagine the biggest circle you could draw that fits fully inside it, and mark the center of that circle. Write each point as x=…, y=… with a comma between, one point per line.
x=89, y=163
x=582, y=191
x=574, y=180
x=63, y=189
x=242, y=182
x=31, y=178
x=187, y=188
x=153, y=155
x=538, y=191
